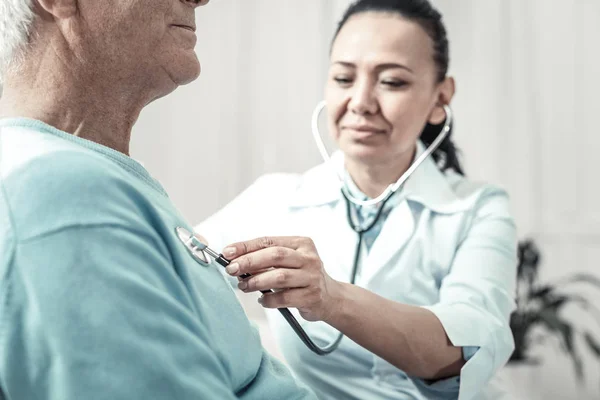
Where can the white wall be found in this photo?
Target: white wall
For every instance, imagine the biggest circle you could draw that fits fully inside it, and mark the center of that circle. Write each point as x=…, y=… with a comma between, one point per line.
x=249, y=113
x=526, y=109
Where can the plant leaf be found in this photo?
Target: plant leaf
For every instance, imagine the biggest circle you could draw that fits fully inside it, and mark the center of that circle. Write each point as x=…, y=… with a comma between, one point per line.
x=592, y=343
x=528, y=258
x=521, y=323
x=583, y=278
x=587, y=305
x=541, y=291
x=555, y=302
x=565, y=331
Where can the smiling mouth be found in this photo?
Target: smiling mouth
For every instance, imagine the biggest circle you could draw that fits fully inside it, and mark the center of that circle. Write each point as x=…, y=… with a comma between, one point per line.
x=363, y=131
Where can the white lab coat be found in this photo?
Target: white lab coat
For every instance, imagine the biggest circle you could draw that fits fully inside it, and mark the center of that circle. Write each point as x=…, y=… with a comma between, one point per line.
x=449, y=245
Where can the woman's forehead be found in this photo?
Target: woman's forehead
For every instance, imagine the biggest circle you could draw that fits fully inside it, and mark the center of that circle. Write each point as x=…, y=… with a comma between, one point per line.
x=382, y=37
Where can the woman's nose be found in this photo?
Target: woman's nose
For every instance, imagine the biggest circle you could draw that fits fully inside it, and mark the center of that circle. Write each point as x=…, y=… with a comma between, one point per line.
x=363, y=100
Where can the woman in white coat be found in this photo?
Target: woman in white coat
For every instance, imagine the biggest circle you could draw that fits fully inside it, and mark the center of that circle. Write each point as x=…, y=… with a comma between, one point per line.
x=424, y=296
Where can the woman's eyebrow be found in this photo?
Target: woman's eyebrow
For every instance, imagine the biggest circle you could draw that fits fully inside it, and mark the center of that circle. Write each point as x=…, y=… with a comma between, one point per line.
x=378, y=67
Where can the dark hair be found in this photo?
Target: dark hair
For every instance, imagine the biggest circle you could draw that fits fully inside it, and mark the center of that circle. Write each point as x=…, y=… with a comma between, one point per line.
x=424, y=14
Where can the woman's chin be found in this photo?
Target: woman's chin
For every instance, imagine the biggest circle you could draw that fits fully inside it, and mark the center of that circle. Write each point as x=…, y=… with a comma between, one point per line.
x=364, y=153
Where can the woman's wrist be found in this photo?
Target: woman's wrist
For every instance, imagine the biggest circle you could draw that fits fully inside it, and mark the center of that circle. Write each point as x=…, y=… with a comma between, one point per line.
x=338, y=303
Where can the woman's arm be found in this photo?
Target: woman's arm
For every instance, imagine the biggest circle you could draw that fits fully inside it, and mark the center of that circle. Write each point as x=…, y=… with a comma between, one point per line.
x=409, y=337
x=475, y=300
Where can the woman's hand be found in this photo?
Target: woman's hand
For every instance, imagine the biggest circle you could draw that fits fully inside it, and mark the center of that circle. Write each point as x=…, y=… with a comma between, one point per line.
x=291, y=266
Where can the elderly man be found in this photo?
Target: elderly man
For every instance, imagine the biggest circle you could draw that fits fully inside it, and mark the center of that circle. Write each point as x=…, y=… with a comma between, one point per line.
x=99, y=299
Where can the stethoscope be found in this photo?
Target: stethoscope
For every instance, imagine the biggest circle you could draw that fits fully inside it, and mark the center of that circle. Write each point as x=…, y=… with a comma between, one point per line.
x=200, y=250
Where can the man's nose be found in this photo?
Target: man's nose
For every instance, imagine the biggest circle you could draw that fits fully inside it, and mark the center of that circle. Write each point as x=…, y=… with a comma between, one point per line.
x=197, y=3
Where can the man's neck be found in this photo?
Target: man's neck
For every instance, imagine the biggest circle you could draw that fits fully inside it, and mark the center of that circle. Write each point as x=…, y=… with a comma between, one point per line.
x=82, y=107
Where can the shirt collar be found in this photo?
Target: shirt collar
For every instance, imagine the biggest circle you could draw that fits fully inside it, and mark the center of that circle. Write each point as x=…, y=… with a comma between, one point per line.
x=121, y=159
x=427, y=186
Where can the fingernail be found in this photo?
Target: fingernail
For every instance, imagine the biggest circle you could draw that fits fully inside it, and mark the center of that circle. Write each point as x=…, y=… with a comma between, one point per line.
x=229, y=251
x=260, y=300
x=242, y=286
x=232, y=269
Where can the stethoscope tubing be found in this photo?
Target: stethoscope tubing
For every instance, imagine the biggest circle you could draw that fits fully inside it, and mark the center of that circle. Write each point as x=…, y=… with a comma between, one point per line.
x=199, y=250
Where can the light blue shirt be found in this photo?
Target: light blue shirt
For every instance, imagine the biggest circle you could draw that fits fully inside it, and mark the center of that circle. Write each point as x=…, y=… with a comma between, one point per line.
x=447, y=244
x=364, y=216
x=99, y=299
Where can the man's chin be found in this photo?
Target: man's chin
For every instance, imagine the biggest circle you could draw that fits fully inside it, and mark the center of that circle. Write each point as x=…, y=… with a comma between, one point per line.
x=187, y=72
x=175, y=77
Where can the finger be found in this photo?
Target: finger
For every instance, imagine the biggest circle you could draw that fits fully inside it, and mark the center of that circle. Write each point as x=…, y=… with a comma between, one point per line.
x=278, y=278
x=283, y=299
x=244, y=277
x=240, y=248
x=281, y=257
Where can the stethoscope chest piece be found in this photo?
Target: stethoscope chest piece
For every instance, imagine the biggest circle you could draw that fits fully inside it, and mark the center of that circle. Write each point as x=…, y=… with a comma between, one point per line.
x=194, y=246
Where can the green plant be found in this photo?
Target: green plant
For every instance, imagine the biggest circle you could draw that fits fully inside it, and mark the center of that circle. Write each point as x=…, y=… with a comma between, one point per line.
x=541, y=305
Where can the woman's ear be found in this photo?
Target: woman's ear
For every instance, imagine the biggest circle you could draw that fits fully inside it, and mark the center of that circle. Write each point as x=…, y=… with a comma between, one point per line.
x=445, y=94
x=60, y=9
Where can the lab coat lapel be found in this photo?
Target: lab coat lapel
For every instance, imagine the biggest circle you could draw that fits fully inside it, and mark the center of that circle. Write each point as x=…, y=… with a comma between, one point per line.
x=426, y=188
x=345, y=239
x=320, y=187
x=395, y=234
x=321, y=209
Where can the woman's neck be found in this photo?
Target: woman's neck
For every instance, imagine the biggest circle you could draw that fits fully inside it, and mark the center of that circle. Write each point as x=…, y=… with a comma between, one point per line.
x=373, y=178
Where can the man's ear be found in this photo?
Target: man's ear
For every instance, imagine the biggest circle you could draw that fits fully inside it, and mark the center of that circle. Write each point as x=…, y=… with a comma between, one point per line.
x=447, y=89
x=60, y=9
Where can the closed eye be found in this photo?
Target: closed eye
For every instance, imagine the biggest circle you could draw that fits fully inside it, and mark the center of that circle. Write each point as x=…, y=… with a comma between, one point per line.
x=342, y=80
x=394, y=83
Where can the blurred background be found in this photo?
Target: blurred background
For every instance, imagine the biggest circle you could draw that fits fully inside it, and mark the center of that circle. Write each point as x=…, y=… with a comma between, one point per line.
x=527, y=108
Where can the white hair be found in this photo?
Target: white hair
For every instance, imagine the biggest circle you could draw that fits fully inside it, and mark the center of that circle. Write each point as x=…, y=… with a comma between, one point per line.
x=16, y=18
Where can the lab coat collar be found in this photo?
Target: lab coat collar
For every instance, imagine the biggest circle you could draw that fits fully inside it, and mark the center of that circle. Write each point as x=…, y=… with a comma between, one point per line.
x=427, y=186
